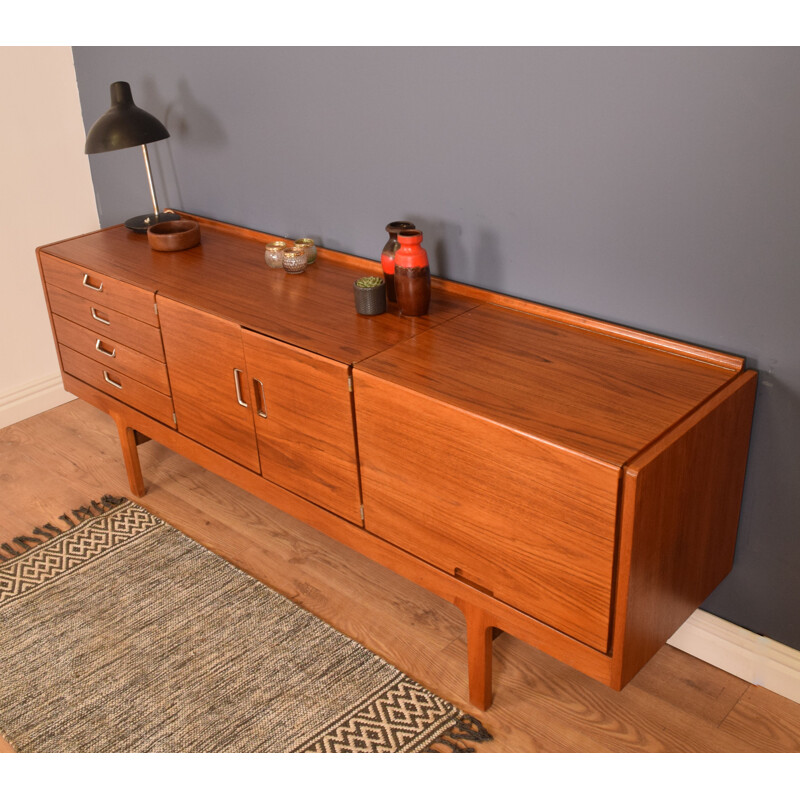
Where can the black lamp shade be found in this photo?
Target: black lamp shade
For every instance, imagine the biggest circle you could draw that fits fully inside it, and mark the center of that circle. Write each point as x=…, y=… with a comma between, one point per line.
x=124, y=124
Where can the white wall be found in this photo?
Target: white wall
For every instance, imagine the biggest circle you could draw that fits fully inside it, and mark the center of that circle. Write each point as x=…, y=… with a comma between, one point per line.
x=46, y=195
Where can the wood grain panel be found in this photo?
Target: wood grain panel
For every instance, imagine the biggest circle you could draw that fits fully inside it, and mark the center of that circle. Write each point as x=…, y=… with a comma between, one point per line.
x=101, y=289
x=226, y=276
x=679, y=516
x=107, y=322
x=304, y=423
x=112, y=354
x=529, y=523
x=686, y=349
x=127, y=390
x=604, y=397
x=202, y=354
x=482, y=296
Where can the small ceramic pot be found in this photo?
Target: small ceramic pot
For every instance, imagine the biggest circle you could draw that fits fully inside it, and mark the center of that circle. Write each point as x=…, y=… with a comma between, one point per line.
x=370, y=300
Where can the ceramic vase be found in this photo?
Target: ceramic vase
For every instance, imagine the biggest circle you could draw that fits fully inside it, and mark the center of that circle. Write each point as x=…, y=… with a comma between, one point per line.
x=412, y=274
x=387, y=256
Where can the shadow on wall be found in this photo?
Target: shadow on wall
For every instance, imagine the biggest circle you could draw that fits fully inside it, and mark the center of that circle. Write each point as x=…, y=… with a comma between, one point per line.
x=189, y=122
x=480, y=265
x=764, y=538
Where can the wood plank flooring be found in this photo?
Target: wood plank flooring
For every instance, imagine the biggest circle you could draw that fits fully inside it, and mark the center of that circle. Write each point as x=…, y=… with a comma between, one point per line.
x=65, y=457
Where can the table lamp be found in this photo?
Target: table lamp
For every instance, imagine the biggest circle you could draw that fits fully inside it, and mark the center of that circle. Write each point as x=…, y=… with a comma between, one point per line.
x=127, y=125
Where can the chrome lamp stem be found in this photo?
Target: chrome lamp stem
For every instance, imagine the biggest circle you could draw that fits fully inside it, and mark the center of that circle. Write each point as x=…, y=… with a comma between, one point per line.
x=150, y=180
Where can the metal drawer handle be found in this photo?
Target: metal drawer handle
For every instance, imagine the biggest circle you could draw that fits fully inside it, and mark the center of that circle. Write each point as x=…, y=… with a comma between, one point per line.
x=99, y=348
x=261, y=398
x=89, y=285
x=99, y=319
x=108, y=380
x=236, y=374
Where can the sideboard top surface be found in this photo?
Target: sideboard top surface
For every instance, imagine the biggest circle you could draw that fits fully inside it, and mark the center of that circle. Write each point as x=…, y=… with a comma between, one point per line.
x=226, y=275
x=582, y=385
x=597, y=395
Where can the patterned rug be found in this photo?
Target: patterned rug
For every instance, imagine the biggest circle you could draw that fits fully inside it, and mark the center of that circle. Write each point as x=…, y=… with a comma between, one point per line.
x=120, y=634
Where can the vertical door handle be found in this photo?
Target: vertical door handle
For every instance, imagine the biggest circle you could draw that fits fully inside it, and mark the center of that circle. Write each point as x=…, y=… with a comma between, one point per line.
x=261, y=398
x=238, y=385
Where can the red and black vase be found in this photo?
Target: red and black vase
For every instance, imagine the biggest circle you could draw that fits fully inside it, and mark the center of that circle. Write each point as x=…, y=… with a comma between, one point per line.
x=387, y=256
x=412, y=274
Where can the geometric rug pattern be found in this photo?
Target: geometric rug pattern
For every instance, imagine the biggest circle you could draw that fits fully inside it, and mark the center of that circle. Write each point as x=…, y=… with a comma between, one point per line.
x=118, y=633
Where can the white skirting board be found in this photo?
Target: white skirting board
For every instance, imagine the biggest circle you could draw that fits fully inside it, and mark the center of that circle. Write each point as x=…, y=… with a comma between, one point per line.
x=754, y=658
x=32, y=398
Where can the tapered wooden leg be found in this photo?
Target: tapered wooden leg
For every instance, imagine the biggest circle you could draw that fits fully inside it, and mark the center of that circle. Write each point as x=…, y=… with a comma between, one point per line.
x=479, y=655
x=127, y=438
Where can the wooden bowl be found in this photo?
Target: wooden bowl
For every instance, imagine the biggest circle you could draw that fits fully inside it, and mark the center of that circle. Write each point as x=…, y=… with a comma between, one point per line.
x=170, y=236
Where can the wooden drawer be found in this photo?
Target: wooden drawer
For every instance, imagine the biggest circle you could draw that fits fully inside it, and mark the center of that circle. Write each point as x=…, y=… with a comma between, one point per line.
x=107, y=322
x=527, y=522
x=112, y=354
x=99, y=289
x=127, y=390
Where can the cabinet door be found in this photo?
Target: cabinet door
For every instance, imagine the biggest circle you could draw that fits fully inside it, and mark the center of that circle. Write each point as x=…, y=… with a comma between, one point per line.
x=208, y=376
x=531, y=524
x=304, y=423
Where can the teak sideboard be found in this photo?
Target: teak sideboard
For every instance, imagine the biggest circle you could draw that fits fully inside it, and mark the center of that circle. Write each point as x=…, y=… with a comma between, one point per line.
x=572, y=482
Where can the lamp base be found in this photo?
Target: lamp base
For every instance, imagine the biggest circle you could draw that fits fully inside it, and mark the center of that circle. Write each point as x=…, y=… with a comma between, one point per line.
x=142, y=223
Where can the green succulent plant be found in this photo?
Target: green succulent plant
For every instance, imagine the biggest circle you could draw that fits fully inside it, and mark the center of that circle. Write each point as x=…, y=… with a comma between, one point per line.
x=369, y=282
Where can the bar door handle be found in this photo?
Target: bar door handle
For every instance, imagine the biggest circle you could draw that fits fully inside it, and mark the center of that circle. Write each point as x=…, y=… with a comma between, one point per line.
x=261, y=398
x=238, y=385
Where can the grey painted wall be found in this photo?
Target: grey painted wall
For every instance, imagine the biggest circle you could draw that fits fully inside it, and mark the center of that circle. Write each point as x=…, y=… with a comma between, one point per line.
x=659, y=188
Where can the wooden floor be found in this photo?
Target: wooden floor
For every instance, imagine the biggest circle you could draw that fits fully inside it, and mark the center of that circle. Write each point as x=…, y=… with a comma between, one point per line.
x=63, y=458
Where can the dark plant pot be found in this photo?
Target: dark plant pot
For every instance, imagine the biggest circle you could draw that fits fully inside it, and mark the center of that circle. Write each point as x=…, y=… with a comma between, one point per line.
x=370, y=300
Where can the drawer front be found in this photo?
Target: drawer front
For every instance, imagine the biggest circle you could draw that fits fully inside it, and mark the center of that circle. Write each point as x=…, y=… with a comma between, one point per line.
x=119, y=386
x=107, y=322
x=98, y=289
x=112, y=354
x=531, y=524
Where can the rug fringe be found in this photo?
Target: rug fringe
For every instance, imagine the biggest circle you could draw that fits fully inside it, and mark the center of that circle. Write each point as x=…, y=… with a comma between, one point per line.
x=47, y=531
x=467, y=728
